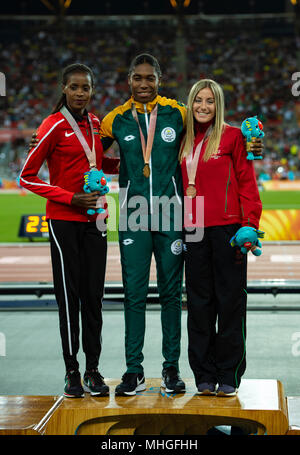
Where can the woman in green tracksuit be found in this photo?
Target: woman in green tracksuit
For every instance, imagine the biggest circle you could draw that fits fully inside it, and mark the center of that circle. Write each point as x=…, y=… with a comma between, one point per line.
x=150, y=216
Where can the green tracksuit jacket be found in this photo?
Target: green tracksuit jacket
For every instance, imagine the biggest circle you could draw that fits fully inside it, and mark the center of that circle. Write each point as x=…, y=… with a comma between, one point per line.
x=155, y=229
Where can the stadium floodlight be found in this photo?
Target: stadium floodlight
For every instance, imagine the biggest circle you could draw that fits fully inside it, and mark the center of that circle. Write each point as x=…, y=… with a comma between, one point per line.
x=62, y=5
x=180, y=3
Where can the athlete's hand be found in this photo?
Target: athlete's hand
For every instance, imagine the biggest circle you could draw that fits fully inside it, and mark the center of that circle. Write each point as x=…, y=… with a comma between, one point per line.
x=86, y=200
x=33, y=142
x=256, y=146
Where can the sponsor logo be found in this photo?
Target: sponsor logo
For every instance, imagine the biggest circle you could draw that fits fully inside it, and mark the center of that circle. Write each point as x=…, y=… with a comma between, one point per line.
x=217, y=155
x=140, y=381
x=168, y=134
x=127, y=242
x=69, y=134
x=176, y=247
x=129, y=138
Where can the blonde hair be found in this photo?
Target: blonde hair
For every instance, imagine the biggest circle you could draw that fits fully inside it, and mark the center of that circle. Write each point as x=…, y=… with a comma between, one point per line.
x=218, y=124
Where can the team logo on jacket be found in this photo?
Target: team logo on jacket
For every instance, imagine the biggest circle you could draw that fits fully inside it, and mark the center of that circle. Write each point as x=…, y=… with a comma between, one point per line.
x=168, y=134
x=217, y=155
x=176, y=247
x=129, y=138
x=127, y=242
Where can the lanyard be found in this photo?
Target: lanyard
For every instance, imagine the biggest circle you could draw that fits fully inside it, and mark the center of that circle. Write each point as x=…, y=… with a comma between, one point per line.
x=192, y=161
x=90, y=154
x=151, y=131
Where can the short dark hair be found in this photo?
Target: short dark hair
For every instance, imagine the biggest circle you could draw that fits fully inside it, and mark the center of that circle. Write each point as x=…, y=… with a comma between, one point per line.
x=145, y=58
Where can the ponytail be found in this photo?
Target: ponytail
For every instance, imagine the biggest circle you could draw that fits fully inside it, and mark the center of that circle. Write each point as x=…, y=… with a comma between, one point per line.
x=60, y=103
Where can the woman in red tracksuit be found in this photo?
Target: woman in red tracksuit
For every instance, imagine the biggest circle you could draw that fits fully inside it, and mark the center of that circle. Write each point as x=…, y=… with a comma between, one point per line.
x=216, y=273
x=78, y=248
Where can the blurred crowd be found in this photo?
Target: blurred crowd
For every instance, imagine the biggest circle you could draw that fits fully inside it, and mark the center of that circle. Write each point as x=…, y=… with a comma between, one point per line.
x=254, y=63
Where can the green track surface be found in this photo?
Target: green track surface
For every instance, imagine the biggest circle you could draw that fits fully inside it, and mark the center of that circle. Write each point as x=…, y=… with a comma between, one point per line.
x=13, y=206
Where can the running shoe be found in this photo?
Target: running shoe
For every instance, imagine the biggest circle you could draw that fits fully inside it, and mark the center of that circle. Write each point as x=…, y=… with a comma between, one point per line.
x=131, y=383
x=171, y=380
x=225, y=390
x=94, y=383
x=73, y=387
x=206, y=388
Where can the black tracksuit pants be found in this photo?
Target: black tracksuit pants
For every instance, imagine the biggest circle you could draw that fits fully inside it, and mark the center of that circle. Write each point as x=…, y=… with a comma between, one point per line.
x=78, y=253
x=216, y=277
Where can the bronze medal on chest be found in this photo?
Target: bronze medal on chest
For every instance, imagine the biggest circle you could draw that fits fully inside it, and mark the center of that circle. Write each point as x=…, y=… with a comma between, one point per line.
x=191, y=191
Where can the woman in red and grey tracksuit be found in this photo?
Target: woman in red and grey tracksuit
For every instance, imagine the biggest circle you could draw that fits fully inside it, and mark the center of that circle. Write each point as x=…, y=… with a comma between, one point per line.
x=216, y=273
x=78, y=248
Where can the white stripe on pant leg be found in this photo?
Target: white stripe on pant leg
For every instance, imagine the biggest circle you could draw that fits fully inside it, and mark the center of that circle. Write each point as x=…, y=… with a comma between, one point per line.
x=65, y=289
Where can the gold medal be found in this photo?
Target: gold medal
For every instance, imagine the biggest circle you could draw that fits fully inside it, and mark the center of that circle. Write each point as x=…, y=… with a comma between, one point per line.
x=191, y=191
x=146, y=170
x=146, y=148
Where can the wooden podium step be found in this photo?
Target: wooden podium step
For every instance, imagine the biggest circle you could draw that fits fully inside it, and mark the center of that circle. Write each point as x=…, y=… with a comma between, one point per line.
x=293, y=404
x=260, y=407
x=26, y=415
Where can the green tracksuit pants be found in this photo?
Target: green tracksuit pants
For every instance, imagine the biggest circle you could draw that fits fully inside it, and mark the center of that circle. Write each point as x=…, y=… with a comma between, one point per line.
x=136, y=253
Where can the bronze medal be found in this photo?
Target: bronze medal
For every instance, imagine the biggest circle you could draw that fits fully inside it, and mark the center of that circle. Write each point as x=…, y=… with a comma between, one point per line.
x=192, y=164
x=146, y=170
x=191, y=191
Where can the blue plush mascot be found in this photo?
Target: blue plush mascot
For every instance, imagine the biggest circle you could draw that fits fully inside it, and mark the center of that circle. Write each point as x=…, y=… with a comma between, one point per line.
x=246, y=237
x=252, y=127
x=95, y=180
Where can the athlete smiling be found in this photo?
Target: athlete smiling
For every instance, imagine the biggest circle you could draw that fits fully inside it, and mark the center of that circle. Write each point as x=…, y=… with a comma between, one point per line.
x=150, y=172
x=150, y=176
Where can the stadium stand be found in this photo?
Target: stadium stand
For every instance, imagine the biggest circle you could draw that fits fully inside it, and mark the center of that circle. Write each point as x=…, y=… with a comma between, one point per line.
x=253, y=60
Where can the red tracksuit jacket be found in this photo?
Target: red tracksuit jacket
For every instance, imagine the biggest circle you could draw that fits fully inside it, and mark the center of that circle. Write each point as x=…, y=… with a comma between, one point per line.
x=67, y=162
x=227, y=181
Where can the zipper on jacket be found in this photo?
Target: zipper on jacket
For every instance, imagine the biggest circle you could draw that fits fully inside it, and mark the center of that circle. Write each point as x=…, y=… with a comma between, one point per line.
x=126, y=194
x=176, y=192
x=150, y=163
x=228, y=181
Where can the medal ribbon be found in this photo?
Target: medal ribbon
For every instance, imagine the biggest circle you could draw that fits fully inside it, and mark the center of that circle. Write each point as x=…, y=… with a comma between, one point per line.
x=90, y=154
x=151, y=131
x=192, y=161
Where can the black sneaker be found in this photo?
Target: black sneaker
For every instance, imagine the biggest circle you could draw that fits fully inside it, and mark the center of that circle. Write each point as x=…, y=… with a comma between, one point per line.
x=73, y=387
x=94, y=383
x=131, y=383
x=171, y=380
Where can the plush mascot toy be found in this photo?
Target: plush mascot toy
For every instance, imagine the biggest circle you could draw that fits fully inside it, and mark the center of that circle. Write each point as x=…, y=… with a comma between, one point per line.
x=252, y=127
x=246, y=237
x=95, y=180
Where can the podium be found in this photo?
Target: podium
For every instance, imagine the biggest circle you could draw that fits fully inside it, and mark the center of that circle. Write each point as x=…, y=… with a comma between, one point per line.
x=260, y=407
